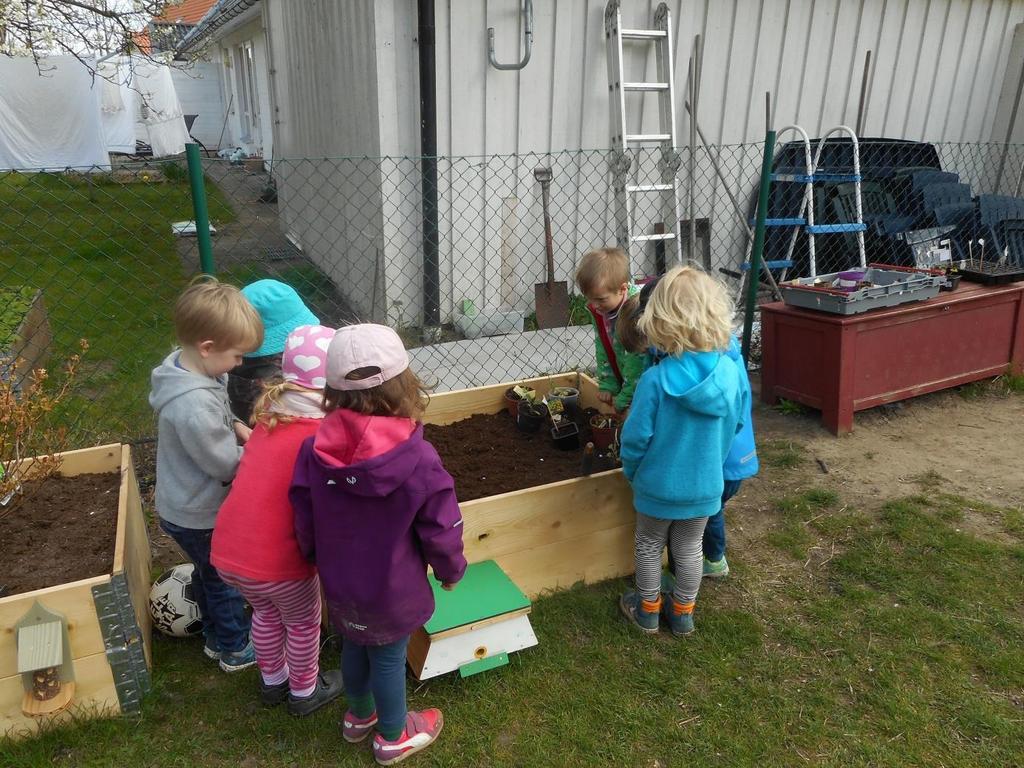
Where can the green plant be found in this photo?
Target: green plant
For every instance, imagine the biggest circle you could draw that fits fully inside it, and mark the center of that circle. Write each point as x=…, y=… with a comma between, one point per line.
x=578, y=312
x=174, y=172
x=29, y=438
x=15, y=301
x=1014, y=382
x=789, y=407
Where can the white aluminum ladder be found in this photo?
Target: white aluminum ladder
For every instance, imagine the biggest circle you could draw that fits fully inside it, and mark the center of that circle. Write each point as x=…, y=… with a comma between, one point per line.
x=664, y=183
x=858, y=226
x=805, y=218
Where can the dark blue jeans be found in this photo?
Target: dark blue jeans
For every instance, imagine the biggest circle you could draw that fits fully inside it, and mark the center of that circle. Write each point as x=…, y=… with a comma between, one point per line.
x=378, y=670
x=714, y=531
x=224, y=621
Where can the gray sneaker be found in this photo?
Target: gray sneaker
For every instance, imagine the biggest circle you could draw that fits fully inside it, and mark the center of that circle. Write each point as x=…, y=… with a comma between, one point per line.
x=641, y=613
x=272, y=695
x=328, y=687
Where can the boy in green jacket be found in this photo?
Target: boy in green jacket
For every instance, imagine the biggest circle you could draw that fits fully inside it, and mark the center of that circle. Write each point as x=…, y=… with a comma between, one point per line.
x=603, y=277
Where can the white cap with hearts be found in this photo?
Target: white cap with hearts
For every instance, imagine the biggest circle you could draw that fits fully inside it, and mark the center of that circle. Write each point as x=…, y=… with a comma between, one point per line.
x=304, y=361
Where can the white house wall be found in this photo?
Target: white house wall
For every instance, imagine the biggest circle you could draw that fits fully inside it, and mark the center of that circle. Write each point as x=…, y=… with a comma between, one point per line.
x=346, y=84
x=251, y=32
x=200, y=91
x=325, y=81
x=937, y=72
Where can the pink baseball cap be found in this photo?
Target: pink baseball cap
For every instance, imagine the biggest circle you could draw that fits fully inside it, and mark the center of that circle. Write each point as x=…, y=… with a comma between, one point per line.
x=365, y=345
x=304, y=360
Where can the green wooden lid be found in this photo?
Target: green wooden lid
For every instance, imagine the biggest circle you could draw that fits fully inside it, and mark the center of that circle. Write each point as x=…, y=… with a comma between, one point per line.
x=484, y=591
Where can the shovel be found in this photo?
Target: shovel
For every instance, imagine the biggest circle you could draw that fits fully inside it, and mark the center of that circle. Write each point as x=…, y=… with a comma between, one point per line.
x=552, y=299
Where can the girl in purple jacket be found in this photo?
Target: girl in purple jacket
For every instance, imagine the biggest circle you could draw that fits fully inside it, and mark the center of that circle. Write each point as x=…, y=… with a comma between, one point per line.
x=373, y=508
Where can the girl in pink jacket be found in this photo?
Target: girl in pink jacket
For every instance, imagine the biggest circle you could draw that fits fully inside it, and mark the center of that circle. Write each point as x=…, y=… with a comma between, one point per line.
x=254, y=545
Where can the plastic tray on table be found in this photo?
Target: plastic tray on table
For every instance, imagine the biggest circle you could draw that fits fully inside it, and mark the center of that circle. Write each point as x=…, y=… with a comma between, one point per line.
x=889, y=286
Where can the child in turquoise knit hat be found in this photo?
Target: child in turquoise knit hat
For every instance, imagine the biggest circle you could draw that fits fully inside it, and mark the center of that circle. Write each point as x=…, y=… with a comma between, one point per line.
x=282, y=311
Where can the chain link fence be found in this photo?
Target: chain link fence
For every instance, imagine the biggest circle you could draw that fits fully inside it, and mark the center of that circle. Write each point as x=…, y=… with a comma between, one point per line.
x=97, y=253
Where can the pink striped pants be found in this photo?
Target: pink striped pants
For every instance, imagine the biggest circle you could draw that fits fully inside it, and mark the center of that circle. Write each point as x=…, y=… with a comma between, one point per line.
x=285, y=627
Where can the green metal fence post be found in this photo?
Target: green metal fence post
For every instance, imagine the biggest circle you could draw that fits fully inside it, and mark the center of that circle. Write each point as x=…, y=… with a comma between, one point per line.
x=202, y=216
x=754, y=277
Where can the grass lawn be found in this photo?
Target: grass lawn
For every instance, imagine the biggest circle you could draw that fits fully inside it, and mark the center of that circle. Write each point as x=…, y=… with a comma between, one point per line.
x=103, y=254
x=888, y=636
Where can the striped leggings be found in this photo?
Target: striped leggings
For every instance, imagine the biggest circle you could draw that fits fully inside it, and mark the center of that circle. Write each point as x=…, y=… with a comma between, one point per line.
x=684, y=541
x=285, y=629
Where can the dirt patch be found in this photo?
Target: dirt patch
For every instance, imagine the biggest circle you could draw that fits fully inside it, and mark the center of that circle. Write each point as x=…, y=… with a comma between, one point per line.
x=63, y=531
x=487, y=455
x=968, y=444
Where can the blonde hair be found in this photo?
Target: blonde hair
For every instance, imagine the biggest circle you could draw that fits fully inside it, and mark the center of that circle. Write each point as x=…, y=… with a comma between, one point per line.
x=626, y=326
x=689, y=311
x=606, y=268
x=403, y=395
x=262, y=412
x=211, y=310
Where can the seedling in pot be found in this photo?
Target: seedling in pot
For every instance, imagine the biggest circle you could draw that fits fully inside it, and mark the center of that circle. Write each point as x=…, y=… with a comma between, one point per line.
x=516, y=395
x=604, y=428
x=530, y=416
x=570, y=398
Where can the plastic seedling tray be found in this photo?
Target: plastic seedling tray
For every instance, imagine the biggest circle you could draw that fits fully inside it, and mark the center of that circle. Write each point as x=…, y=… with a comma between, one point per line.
x=991, y=273
x=884, y=286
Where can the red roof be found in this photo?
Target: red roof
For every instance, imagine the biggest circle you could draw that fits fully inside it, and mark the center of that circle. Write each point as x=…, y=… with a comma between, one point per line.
x=184, y=12
x=141, y=41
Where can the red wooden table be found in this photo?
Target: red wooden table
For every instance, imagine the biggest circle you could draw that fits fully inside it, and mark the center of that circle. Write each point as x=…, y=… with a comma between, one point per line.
x=841, y=364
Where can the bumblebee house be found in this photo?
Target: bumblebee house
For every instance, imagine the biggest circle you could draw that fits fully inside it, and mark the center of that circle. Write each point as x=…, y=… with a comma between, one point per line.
x=82, y=647
x=474, y=627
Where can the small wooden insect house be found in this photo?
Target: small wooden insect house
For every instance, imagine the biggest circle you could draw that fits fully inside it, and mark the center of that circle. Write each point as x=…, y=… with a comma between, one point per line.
x=474, y=627
x=44, y=661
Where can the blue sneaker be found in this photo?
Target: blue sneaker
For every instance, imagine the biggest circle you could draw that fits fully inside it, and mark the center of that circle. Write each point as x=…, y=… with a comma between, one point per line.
x=642, y=613
x=715, y=569
x=238, y=660
x=678, y=616
x=210, y=648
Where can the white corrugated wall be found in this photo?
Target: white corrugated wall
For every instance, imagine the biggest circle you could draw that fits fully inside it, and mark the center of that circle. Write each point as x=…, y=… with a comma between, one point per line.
x=938, y=67
x=346, y=83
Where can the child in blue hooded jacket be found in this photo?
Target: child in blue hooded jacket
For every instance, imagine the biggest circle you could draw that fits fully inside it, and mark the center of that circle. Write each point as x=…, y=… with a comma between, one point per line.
x=684, y=418
x=740, y=464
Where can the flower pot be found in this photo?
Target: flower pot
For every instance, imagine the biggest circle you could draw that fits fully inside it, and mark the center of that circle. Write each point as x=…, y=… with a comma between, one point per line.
x=566, y=436
x=570, y=397
x=531, y=416
x=604, y=430
x=513, y=398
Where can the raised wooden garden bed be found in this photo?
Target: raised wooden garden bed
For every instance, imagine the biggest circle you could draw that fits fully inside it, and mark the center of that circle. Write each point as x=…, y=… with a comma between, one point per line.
x=25, y=335
x=548, y=536
x=105, y=617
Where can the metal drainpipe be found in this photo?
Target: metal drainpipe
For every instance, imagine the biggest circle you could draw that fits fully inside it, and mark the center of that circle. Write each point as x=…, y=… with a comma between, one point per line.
x=428, y=168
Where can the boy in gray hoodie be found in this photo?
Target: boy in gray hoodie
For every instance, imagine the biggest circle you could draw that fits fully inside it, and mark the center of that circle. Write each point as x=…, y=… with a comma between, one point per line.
x=199, y=447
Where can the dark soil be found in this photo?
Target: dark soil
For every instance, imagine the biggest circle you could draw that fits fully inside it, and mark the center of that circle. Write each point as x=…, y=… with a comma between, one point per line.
x=487, y=455
x=63, y=531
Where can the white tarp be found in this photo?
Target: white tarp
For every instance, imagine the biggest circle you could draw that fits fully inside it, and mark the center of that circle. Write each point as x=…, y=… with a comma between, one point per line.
x=51, y=120
x=118, y=106
x=160, y=123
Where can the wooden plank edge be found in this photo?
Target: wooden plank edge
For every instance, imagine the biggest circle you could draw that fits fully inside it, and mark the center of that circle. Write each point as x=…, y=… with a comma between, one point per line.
x=39, y=594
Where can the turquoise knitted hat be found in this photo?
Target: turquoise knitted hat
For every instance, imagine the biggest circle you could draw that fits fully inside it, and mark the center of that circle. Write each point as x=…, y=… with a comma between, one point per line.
x=281, y=310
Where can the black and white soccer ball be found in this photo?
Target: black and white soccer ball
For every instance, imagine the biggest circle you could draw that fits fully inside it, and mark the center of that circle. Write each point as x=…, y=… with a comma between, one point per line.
x=172, y=604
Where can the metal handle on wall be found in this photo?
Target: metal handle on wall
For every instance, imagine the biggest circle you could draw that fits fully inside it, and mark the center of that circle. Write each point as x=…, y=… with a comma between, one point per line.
x=527, y=35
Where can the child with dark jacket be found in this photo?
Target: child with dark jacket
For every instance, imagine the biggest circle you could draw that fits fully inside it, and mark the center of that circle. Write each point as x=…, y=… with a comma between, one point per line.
x=373, y=508
x=282, y=311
